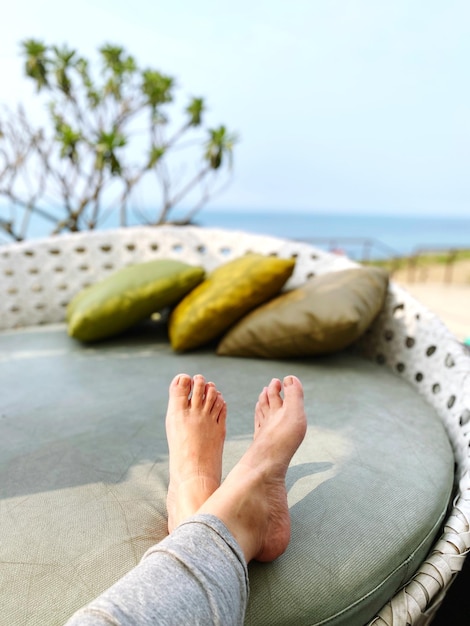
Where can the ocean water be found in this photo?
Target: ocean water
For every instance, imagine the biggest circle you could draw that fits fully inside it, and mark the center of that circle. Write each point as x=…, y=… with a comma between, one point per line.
x=359, y=236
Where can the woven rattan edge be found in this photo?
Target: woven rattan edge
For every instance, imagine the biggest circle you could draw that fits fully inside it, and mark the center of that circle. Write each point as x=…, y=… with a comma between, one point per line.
x=38, y=278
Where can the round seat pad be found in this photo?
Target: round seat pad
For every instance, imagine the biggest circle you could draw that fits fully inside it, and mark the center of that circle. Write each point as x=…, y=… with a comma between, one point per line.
x=84, y=474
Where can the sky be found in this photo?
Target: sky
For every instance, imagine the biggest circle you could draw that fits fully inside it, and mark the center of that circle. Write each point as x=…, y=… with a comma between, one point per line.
x=347, y=106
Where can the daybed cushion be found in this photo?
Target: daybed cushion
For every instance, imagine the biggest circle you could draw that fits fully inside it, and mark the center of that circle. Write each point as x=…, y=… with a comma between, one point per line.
x=227, y=294
x=326, y=314
x=84, y=474
x=128, y=296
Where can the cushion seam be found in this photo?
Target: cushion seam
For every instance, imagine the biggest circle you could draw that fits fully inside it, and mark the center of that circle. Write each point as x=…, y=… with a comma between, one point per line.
x=402, y=565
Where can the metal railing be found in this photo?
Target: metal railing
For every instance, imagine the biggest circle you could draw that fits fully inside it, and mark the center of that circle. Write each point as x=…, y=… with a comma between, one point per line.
x=417, y=272
x=358, y=248
x=366, y=250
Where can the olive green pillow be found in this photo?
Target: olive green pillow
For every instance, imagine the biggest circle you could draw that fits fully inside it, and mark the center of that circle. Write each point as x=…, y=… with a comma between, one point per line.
x=128, y=296
x=224, y=297
x=324, y=315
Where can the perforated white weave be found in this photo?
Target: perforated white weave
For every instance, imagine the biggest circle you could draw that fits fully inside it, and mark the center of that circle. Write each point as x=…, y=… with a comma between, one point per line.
x=39, y=278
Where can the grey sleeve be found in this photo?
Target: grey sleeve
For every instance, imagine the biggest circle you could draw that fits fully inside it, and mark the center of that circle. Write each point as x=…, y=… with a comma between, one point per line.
x=196, y=575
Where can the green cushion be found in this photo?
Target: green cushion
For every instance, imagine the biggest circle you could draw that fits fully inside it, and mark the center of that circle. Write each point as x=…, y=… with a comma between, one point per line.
x=84, y=475
x=129, y=296
x=227, y=294
x=325, y=315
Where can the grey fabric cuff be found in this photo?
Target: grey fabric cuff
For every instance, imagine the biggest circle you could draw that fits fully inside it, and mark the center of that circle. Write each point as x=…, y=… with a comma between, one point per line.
x=216, y=525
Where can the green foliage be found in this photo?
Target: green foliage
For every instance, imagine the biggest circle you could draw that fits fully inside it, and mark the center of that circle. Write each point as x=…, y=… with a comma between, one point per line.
x=195, y=109
x=107, y=129
x=36, y=62
x=219, y=144
x=157, y=88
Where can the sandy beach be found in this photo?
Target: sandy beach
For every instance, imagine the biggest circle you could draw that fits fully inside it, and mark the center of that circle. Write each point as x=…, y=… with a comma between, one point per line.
x=444, y=290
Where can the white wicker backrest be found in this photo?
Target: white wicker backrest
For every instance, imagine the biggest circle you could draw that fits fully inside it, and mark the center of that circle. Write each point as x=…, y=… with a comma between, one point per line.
x=39, y=278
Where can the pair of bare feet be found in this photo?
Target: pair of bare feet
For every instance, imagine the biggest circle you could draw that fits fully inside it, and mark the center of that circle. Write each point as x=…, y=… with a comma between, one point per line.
x=252, y=500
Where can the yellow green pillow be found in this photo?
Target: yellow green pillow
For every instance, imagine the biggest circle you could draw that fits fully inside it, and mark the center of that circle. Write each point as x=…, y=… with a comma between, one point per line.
x=128, y=296
x=224, y=297
x=324, y=315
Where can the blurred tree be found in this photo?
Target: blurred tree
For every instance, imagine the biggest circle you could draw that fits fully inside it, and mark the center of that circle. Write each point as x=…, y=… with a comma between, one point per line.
x=104, y=133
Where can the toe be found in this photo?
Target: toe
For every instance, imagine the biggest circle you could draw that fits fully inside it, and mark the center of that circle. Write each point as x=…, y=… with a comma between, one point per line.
x=181, y=385
x=220, y=410
x=293, y=390
x=199, y=387
x=294, y=403
x=263, y=402
x=210, y=396
x=180, y=388
x=274, y=394
x=259, y=416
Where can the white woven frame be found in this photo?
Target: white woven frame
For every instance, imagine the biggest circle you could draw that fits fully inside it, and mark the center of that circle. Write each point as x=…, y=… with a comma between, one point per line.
x=38, y=278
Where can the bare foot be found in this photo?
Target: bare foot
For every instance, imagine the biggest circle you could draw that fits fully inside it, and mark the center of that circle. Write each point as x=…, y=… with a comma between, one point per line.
x=195, y=426
x=252, y=501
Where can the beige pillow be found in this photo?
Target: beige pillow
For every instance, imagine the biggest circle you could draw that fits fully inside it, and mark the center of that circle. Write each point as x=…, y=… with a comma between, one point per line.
x=325, y=314
x=128, y=296
x=224, y=297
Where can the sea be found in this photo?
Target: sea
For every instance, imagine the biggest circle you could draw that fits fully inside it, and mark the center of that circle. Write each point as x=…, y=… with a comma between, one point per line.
x=360, y=236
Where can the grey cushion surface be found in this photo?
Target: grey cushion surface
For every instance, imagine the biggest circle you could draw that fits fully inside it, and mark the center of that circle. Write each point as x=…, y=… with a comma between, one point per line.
x=83, y=475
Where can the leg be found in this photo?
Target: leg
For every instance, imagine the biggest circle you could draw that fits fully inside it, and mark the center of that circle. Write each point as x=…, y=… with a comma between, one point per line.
x=252, y=501
x=195, y=426
x=198, y=574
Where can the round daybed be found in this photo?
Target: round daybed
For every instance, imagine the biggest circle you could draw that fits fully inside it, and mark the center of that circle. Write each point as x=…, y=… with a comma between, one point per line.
x=379, y=491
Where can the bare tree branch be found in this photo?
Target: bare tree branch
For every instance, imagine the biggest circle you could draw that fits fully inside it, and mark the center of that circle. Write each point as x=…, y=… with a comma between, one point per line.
x=87, y=159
